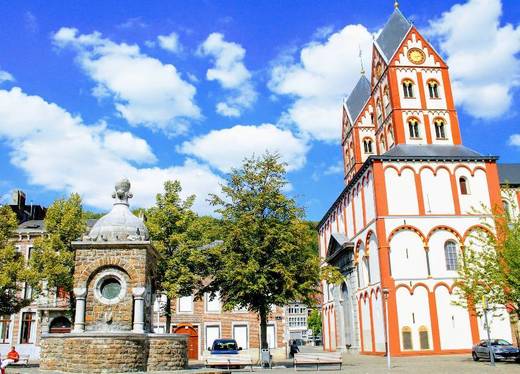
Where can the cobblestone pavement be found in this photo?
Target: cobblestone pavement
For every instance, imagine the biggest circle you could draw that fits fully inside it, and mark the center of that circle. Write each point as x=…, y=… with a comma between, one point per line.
x=458, y=364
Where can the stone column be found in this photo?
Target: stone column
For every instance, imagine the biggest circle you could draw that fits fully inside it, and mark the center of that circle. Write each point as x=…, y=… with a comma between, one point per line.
x=79, y=320
x=138, y=293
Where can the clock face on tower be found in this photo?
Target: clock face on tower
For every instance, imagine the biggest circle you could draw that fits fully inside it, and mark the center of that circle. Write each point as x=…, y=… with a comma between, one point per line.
x=416, y=56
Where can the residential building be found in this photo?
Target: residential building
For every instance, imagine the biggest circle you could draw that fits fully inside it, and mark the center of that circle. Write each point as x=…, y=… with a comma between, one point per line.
x=296, y=315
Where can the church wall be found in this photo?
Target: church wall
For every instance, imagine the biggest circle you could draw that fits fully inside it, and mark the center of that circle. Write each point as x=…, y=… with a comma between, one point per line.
x=402, y=190
x=370, y=208
x=414, y=315
x=437, y=192
x=379, y=321
x=477, y=190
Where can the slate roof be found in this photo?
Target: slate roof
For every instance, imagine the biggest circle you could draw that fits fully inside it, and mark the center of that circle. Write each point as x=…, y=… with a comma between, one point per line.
x=509, y=174
x=393, y=34
x=35, y=225
x=432, y=151
x=358, y=97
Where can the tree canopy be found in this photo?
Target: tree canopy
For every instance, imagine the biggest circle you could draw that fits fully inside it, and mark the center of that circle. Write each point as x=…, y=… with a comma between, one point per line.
x=267, y=256
x=13, y=270
x=490, y=265
x=52, y=258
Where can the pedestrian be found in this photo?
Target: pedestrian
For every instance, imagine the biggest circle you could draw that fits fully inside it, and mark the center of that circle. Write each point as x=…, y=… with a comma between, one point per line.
x=294, y=348
x=12, y=357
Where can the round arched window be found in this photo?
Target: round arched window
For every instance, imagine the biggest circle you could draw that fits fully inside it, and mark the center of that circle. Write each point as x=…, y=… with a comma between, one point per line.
x=110, y=288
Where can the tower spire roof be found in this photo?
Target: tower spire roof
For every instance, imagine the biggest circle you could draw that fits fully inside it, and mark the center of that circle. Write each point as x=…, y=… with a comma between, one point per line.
x=393, y=34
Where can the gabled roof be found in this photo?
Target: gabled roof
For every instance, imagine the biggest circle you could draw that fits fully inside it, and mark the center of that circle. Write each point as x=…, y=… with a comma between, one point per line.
x=337, y=244
x=358, y=98
x=509, y=174
x=393, y=34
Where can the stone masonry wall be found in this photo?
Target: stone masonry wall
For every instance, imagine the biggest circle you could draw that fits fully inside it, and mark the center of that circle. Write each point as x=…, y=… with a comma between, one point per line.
x=72, y=353
x=131, y=261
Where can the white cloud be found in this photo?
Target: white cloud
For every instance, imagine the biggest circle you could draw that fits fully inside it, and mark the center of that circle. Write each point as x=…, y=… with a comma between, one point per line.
x=5, y=77
x=336, y=168
x=170, y=42
x=59, y=152
x=482, y=55
x=514, y=140
x=325, y=73
x=227, y=148
x=229, y=70
x=144, y=90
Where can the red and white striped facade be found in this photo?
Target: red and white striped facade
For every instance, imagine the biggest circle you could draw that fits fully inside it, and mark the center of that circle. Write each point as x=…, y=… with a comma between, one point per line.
x=409, y=200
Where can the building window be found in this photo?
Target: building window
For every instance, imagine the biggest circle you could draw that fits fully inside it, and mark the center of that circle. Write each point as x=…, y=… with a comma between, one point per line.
x=463, y=184
x=408, y=89
x=5, y=324
x=383, y=143
x=367, y=145
x=213, y=303
x=212, y=333
x=386, y=101
x=424, y=339
x=390, y=135
x=28, y=328
x=450, y=253
x=433, y=89
x=185, y=304
x=440, y=129
x=413, y=128
x=379, y=111
x=406, y=334
x=241, y=335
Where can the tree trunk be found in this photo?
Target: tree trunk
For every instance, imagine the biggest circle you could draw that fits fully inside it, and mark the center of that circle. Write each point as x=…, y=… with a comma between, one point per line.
x=168, y=314
x=263, y=328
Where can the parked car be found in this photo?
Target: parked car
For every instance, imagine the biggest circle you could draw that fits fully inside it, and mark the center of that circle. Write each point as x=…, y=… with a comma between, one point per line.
x=501, y=349
x=225, y=347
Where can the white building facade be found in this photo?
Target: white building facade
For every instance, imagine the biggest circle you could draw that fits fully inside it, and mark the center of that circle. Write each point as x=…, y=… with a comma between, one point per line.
x=407, y=209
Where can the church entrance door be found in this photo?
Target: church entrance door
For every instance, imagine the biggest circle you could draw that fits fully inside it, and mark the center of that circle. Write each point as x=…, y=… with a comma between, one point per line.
x=193, y=339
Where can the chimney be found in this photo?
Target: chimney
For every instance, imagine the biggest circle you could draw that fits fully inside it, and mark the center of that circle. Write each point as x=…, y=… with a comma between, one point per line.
x=18, y=197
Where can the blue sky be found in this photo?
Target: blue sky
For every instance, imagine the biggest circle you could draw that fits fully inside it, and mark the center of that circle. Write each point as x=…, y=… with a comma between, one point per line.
x=93, y=91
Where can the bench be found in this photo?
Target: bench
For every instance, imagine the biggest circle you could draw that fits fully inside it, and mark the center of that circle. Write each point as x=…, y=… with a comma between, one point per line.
x=317, y=359
x=23, y=360
x=229, y=361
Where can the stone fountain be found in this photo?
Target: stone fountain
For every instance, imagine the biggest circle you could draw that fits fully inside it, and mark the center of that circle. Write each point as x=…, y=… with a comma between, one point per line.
x=114, y=280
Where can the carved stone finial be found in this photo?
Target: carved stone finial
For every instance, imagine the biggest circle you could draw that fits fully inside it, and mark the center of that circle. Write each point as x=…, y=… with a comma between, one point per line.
x=396, y=4
x=361, y=61
x=122, y=193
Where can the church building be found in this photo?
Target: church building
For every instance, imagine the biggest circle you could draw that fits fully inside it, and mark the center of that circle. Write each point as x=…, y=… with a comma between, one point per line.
x=409, y=207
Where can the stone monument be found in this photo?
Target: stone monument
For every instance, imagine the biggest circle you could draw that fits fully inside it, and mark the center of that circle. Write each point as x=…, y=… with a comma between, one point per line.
x=114, y=280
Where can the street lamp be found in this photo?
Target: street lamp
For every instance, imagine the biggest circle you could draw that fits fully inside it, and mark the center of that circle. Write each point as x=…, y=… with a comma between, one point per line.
x=491, y=354
x=386, y=292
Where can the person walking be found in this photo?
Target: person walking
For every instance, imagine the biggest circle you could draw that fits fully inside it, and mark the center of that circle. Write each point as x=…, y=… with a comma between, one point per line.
x=12, y=357
x=293, y=348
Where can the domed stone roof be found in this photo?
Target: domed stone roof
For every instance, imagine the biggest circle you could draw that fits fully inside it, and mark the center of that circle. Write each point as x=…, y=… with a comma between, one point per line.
x=120, y=224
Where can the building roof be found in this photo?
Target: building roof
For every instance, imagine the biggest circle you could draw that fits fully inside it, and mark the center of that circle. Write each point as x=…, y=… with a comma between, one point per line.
x=432, y=152
x=509, y=174
x=393, y=34
x=31, y=226
x=358, y=97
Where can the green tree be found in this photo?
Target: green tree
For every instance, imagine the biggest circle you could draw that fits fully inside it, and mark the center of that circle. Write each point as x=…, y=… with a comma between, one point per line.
x=314, y=322
x=13, y=271
x=490, y=266
x=177, y=233
x=267, y=256
x=52, y=258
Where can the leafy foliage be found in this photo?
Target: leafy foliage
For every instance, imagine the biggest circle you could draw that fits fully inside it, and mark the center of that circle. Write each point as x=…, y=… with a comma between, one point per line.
x=52, y=258
x=490, y=265
x=314, y=322
x=267, y=256
x=13, y=270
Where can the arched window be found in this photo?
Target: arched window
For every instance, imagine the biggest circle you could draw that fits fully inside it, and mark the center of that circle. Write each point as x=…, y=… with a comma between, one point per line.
x=408, y=89
x=440, y=128
x=367, y=145
x=383, y=143
x=424, y=338
x=433, y=89
x=464, y=187
x=366, y=271
x=60, y=325
x=386, y=100
x=450, y=253
x=390, y=135
x=413, y=128
x=406, y=334
x=379, y=111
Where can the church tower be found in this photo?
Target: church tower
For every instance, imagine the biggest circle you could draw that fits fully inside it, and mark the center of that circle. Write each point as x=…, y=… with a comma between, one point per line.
x=413, y=200
x=408, y=99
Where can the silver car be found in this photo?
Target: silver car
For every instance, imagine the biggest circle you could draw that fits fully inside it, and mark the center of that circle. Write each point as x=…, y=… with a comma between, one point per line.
x=502, y=350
